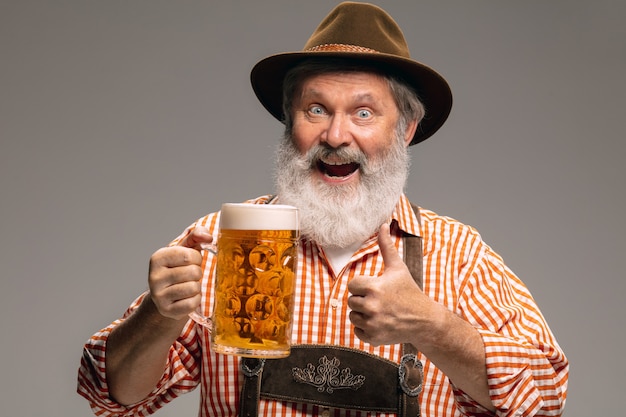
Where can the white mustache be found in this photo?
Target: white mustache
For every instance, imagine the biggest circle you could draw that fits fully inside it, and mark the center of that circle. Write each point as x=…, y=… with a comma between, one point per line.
x=334, y=156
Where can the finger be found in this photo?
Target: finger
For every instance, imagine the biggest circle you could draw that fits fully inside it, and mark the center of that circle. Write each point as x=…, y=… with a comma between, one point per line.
x=360, y=333
x=358, y=303
x=178, y=301
x=357, y=319
x=196, y=238
x=175, y=256
x=357, y=287
x=367, y=306
x=175, y=283
x=183, y=290
x=391, y=257
x=364, y=336
x=182, y=274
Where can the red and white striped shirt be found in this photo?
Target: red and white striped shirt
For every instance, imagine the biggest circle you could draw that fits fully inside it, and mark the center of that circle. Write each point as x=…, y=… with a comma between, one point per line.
x=527, y=370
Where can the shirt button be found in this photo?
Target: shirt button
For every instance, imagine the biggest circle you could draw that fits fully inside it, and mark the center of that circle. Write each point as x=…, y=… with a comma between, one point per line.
x=326, y=412
x=334, y=303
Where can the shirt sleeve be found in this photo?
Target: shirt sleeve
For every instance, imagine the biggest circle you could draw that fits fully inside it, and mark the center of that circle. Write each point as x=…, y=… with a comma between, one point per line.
x=527, y=370
x=181, y=373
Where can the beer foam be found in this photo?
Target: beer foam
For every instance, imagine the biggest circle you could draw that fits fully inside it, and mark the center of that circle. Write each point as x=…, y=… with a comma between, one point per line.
x=244, y=216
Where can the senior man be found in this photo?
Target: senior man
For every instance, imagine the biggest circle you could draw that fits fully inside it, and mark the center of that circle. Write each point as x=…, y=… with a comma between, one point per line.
x=352, y=101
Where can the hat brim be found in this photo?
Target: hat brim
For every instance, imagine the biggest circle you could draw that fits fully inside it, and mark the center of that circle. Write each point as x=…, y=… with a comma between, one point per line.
x=433, y=90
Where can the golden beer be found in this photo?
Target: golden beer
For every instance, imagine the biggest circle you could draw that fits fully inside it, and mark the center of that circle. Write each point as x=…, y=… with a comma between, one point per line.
x=256, y=264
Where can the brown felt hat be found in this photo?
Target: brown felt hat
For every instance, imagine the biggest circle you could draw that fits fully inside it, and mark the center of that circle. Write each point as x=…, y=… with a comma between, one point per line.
x=367, y=34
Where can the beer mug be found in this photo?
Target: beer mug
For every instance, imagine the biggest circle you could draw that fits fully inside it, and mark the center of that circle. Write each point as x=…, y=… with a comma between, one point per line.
x=257, y=249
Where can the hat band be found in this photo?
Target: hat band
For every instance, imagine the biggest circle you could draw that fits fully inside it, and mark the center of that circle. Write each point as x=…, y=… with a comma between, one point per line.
x=340, y=47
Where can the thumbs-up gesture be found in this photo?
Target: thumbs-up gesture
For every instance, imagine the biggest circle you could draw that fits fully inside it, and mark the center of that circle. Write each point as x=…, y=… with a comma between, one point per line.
x=175, y=274
x=387, y=309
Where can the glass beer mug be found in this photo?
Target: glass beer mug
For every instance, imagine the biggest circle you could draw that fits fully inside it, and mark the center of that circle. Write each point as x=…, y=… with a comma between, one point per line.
x=257, y=249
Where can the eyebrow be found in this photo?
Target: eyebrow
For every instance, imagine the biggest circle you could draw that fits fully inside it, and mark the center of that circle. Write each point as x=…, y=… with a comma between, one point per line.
x=365, y=97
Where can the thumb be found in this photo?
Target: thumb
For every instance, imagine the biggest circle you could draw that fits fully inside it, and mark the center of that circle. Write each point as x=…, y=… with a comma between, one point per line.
x=197, y=239
x=391, y=257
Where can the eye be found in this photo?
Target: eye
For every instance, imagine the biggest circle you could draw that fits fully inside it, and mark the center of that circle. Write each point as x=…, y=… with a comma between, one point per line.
x=364, y=113
x=316, y=110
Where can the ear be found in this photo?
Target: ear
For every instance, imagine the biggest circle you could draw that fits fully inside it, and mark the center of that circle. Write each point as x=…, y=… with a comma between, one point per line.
x=410, y=132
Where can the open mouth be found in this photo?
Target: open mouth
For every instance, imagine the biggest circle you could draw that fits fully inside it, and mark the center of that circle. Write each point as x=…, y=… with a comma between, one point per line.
x=337, y=170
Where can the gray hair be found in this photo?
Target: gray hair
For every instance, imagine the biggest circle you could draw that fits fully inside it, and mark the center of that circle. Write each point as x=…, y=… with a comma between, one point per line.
x=409, y=104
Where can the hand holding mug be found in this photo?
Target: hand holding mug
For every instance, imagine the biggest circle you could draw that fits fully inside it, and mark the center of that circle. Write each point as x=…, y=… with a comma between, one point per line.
x=175, y=274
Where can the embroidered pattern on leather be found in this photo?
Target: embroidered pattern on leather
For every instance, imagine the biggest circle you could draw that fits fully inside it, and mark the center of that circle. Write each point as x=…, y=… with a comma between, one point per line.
x=327, y=376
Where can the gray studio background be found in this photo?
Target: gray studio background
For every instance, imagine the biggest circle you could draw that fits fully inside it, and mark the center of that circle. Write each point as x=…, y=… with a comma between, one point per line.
x=121, y=122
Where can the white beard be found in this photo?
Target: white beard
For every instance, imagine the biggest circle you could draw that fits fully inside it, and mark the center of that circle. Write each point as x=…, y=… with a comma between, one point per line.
x=341, y=215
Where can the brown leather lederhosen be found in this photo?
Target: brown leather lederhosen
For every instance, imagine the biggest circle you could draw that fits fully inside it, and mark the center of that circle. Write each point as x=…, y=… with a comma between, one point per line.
x=338, y=376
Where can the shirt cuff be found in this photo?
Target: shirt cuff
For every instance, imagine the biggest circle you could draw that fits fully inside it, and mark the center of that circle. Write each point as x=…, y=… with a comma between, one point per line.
x=510, y=378
x=181, y=374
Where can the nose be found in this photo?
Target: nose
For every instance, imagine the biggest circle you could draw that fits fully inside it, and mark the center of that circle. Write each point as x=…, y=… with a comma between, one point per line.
x=337, y=133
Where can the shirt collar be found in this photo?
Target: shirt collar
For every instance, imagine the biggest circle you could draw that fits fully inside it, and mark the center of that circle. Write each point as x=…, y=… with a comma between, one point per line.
x=406, y=218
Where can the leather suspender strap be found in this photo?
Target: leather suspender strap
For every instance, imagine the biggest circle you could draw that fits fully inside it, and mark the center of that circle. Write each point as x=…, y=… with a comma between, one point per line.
x=252, y=369
x=413, y=258
x=410, y=372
